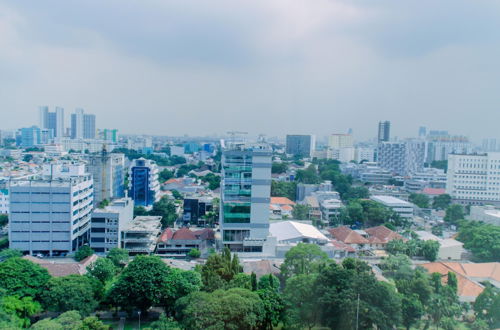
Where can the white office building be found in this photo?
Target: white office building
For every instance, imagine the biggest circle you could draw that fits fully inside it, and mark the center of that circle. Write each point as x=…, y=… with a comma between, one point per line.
x=107, y=223
x=401, y=207
x=474, y=178
x=50, y=214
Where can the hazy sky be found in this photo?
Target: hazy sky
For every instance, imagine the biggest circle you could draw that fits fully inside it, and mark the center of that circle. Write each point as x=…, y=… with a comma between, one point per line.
x=264, y=66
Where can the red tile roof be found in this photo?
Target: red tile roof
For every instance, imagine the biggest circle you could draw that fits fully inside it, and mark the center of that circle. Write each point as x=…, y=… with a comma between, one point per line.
x=466, y=287
x=434, y=191
x=184, y=234
x=281, y=201
x=58, y=269
x=166, y=235
x=383, y=234
x=347, y=235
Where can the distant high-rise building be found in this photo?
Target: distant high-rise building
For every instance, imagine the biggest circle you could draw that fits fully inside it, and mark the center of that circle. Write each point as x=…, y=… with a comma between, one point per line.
x=110, y=135
x=144, y=186
x=82, y=125
x=77, y=124
x=300, y=145
x=52, y=120
x=384, y=131
x=422, y=132
x=337, y=141
x=107, y=170
x=50, y=214
x=89, y=129
x=402, y=158
x=245, y=196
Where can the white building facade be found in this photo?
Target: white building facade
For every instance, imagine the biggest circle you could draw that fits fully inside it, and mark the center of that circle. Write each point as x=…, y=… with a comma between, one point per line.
x=51, y=214
x=474, y=179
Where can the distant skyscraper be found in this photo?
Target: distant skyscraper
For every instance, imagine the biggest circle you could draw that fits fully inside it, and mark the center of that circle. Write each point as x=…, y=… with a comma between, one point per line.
x=30, y=136
x=384, y=131
x=82, y=125
x=52, y=120
x=422, y=132
x=300, y=145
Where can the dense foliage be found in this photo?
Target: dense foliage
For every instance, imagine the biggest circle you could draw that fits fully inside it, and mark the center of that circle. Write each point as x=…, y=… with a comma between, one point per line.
x=483, y=240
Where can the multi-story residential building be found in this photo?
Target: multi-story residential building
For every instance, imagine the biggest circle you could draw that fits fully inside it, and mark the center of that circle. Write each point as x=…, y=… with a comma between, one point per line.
x=300, y=145
x=50, y=214
x=107, y=224
x=364, y=154
x=4, y=201
x=440, y=146
x=82, y=125
x=474, y=178
x=337, y=141
x=401, y=207
x=384, y=131
x=402, y=158
x=52, y=120
x=108, y=170
x=245, y=196
x=144, y=186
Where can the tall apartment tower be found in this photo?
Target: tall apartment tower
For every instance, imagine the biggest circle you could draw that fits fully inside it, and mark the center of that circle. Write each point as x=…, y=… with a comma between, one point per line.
x=384, y=131
x=401, y=158
x=82, y=125
x=474, y=178
x=300, y=145
x=50, y=214
x=245, y=196
x=108, y=171
x=52, y=120
x=144, y=186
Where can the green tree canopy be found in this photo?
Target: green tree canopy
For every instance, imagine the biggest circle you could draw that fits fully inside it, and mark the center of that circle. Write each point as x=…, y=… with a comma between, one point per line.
x=219, y=270
x=140, y=285
x=83, y=252
x=441, y=202
x=235, y=308
x=102, y=269
x=278, y=168
x=303, y=259
x=301, y=212
x=420, y=200
x=177, y=284
x=22, y=278
x=119, y=257
x=483, y=240
x=454, y=213
x=72, y=292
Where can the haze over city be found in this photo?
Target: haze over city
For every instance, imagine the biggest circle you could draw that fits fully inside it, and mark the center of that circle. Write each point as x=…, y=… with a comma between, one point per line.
x=273, y=67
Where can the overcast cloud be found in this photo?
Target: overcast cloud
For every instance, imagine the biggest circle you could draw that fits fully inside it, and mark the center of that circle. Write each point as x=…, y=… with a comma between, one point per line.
x=201, y=67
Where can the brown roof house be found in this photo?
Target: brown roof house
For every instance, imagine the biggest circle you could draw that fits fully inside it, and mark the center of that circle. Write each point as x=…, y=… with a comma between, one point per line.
x=60, y=268
x=348, y=236
x=178, y=243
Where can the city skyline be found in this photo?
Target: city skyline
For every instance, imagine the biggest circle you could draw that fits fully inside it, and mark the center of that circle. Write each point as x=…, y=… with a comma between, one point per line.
x=306, y=68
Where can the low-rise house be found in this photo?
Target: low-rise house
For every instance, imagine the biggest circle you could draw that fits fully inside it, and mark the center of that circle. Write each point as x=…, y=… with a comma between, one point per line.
x=469, y=276
x=314, y=207
x=59, y=269
x=178, y=243
x=379, y=236
x=350, y=237
x=487, y=214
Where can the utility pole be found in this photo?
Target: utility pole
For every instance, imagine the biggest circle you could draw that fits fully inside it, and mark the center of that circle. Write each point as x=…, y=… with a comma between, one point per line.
x=357, y=315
